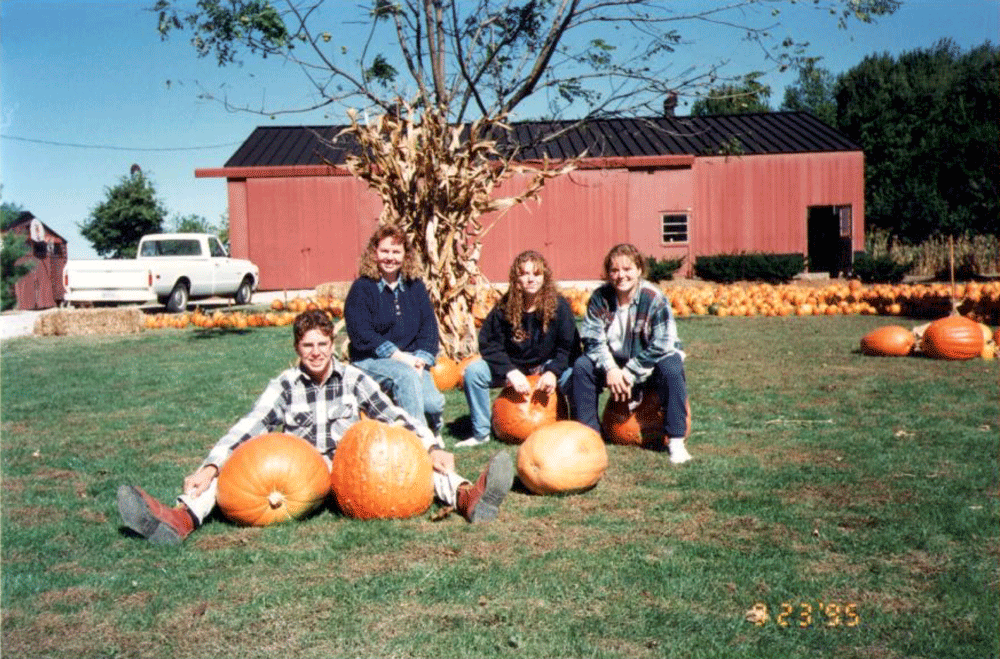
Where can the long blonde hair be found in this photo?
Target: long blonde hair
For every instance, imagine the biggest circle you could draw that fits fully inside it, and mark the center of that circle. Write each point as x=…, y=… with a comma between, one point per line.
x=411, y=268
x=546, y=300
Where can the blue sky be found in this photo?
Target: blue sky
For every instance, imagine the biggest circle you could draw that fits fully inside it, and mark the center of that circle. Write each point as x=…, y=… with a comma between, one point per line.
x=84, y=94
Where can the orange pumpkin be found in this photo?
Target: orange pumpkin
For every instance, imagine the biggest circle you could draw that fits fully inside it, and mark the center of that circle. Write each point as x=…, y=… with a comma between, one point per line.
x=642, y=426
x=381, y=472
x=272, y=478
x=446, y=373
x=888, y=341
x=516, y=416
x=954, y=337
x=561, y=458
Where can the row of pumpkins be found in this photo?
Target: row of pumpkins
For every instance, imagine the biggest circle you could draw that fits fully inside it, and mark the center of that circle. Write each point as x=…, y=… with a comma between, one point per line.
x=978, y=301
x=383, y=472
x=953, y=337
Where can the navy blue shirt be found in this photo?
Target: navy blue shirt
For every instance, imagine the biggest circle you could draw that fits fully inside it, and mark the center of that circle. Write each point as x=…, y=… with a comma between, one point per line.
x=381, y=319
x=553, y=350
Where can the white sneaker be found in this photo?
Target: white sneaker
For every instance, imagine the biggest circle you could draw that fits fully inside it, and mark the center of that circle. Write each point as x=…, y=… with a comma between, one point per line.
x=678, y=452
x=472, y=441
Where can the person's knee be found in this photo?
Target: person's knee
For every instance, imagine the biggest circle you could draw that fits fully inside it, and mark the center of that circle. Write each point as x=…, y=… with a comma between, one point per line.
x=583, y=367
x=670, y=367
x=477, y=374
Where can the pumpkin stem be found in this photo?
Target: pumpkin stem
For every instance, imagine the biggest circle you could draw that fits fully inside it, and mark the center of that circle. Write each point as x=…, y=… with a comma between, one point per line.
x=275, y=499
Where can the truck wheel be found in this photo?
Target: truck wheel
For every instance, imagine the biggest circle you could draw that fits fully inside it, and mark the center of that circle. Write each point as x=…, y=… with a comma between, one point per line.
x=178, y=299
x=244, y=292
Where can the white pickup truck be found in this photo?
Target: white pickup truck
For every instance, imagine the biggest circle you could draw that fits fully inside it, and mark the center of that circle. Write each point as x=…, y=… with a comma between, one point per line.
x=169, y=267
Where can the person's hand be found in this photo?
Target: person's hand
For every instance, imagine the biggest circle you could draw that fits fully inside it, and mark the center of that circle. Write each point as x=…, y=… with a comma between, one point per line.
x=409, y=359
x=196, y=484
x=547, y=383
x=619, y=385
x=442, y=461
x=519, y=383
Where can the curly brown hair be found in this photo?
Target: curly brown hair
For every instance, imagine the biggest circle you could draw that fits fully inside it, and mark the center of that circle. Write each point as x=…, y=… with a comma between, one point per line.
x=546, y=301
x=625, y=249
x=411, y=268
x=310, y=320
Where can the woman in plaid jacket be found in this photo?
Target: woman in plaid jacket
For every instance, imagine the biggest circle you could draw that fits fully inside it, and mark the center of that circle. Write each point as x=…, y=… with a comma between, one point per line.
x=630, y=344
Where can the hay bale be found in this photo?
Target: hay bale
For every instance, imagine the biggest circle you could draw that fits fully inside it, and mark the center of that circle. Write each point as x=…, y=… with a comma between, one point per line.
x=335, y=289
x=90, y=322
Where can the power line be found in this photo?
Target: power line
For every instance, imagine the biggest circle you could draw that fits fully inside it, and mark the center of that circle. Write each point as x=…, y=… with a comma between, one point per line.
x=111, y=147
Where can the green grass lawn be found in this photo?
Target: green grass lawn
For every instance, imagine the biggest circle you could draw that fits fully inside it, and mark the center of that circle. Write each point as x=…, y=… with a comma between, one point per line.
x=856, y=498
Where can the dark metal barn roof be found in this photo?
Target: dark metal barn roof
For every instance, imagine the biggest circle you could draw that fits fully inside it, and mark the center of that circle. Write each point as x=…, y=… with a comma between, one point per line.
x=743, y=134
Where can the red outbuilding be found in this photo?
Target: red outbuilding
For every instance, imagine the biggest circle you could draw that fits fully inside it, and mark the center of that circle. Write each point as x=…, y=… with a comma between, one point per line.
x=780, y=183
x=41, y=288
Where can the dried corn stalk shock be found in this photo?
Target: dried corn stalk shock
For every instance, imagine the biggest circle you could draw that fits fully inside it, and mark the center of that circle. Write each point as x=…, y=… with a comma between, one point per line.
x=436, y=181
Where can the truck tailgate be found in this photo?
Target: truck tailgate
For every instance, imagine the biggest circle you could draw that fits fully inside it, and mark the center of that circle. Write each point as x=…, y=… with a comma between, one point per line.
x=108, y=281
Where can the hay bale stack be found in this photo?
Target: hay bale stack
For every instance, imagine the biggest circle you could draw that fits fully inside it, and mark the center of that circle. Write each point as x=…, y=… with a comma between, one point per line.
x=89, y=322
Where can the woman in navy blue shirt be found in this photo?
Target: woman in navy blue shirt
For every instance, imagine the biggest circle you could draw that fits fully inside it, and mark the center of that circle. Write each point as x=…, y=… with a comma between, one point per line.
x=391, y=325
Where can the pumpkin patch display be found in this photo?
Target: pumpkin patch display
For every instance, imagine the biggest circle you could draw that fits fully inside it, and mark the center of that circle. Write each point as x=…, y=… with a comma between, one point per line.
x=562, y=457
x=641, y=426
x=516, y=416
x=272, y=478
x=381, y=472
x=888, y=341
x=954, y=337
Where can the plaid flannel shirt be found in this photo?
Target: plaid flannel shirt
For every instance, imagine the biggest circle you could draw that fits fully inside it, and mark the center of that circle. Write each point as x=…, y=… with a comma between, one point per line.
x=650, y=334
x=319, y=413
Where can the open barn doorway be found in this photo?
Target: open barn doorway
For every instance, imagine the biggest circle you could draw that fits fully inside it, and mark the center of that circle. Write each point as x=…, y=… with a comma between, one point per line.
x=830, y=239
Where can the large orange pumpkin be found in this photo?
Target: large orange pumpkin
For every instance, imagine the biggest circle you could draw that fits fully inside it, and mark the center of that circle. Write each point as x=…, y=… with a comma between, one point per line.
x=562, y=457
x=516, y=416
x=272, y=478
x=888, y=341
x=954, y=337
x=446, y=373
x=642, y=426
x=381, y=472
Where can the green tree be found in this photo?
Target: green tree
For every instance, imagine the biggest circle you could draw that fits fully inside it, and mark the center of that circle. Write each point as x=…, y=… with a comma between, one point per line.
x=744, y=97
x=485, y=58
x=9, y=212
x=927, y=122
x=14, y=247
x=130, y=211
x=814, y=91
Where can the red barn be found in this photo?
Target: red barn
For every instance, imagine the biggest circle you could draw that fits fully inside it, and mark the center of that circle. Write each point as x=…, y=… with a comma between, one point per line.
x=41, y=288
x=780, y=183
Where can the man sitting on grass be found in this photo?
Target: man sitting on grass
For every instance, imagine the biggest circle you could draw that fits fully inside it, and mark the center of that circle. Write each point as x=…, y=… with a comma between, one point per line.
x=320, y=387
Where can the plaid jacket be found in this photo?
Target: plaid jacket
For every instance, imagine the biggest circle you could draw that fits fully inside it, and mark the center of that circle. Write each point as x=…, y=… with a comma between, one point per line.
x=292, y=403
x=650, y=335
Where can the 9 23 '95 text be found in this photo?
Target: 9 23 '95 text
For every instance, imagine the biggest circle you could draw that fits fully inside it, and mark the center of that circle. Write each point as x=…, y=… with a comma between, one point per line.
x=806, y=615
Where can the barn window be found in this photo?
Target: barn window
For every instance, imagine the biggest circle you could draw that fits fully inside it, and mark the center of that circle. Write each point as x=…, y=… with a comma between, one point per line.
x=675, y=227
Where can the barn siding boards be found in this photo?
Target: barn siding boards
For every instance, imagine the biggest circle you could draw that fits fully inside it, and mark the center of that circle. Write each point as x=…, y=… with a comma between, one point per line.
x=747, y=183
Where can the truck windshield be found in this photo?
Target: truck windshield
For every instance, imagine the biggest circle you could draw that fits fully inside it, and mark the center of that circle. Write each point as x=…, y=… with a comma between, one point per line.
x=171, y=248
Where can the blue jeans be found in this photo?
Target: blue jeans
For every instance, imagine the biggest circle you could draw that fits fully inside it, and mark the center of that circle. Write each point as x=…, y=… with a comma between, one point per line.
x=410, y=389
x=667, y=380
x=477, y=382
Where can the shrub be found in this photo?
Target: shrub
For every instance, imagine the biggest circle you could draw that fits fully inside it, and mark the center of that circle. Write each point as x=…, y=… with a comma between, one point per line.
x=729, y=268
x=880, y=270
x=662, y=270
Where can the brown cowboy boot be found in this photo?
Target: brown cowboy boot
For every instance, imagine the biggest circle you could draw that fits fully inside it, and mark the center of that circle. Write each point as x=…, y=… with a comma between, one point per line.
x=481, y=502
x=151, y=519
